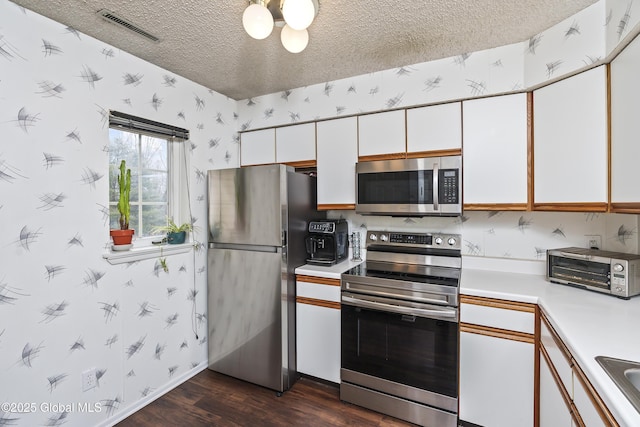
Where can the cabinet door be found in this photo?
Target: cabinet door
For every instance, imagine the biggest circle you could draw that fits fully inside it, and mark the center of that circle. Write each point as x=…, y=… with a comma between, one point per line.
x=296, y=144
x=496, y=380
x=337, y=155
x=554, y=411
x=318, y=341
x=570, y=143
x=495, y=153
x=582, y=399
x=625, y=130
x=258, y=147
x=434, y=130
x=382, y=134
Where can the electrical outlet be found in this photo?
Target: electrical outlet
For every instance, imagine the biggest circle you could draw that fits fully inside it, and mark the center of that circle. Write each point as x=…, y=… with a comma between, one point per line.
x=89, y=379
x=594, y=241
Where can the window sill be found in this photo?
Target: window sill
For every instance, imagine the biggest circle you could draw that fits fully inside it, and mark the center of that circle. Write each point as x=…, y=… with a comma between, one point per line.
x=146, y=252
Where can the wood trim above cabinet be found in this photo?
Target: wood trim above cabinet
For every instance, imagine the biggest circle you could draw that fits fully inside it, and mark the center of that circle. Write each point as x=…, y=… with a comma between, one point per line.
x=435, y=153
x=302, y=164
x=632, y=208
x=498, y=303
x=498, y=333
x=318, y=280
x=337, y=207
x=495, y=206
x=571, y=207
x=389, y=156
x=318, y=302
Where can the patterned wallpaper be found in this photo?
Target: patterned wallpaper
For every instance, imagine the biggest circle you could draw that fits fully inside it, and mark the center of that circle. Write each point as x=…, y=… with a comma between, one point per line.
x=64, y=309
x=574, y=44
x=514, y=235
x=577, y=43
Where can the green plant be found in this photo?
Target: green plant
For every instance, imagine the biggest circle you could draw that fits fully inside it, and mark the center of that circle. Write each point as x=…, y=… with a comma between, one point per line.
x=172, y=227
x=124, y=185
x=163, y=264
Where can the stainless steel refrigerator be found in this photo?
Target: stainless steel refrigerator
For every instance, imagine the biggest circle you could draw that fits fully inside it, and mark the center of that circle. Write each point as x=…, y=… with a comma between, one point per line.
x=257, y=222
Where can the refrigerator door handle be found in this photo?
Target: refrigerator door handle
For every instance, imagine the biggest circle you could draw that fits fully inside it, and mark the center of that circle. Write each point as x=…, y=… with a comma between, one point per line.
x=284, y=238
x=249, y=248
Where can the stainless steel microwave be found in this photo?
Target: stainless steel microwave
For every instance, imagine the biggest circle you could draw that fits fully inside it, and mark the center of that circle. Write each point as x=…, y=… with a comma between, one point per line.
x=613, y=273
x=429, y=186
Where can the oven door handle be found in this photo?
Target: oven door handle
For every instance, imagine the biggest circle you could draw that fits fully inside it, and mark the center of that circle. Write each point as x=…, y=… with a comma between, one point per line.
x=444, y=314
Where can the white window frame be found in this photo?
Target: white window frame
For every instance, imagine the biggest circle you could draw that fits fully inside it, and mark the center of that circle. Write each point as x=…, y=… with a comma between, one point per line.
x=177, y=200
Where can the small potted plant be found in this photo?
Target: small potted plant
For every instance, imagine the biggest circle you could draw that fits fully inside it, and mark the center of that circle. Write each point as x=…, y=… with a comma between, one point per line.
x=122, y=237
x=176, y=234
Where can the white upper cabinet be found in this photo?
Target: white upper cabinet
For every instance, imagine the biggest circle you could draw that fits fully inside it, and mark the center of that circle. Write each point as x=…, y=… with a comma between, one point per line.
x=258, y=147
x=625, y=128
x=296, y=143
x=434, y=128
x=382, y=134
x=495, y=152
x=337, y=155
x=570, y=143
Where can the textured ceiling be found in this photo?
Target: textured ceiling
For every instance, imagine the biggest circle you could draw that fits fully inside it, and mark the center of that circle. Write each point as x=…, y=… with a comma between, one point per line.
x=203, y=40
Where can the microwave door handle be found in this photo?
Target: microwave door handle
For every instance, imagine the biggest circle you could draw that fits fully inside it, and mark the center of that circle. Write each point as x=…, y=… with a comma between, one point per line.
x=435, y=187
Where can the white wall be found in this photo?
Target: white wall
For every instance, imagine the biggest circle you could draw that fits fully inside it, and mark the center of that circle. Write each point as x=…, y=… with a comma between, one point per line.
x=514, y=235
x=589, y=37
x=63, y=308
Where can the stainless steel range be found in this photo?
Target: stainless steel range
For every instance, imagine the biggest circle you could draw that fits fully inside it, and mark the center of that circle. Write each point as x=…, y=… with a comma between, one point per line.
x=400, y=327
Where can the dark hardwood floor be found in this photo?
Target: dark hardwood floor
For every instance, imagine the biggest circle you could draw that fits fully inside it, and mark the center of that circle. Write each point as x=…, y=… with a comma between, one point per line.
x=212, y=399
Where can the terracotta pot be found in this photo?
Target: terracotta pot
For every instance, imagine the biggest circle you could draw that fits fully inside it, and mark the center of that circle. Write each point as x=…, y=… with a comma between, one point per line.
x=122, y=237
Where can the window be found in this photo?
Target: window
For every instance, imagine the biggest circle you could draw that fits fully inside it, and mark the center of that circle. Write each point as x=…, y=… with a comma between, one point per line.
x=155, y=154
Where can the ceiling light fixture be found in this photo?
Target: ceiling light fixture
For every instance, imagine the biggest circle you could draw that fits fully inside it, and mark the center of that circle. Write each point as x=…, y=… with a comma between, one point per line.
x=293, y=16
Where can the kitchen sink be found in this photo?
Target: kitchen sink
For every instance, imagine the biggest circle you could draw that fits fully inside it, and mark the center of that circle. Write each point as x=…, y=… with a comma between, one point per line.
x=626, y=375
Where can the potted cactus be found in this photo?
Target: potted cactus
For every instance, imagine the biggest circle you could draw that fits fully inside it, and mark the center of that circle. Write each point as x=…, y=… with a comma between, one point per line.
x=122, y=237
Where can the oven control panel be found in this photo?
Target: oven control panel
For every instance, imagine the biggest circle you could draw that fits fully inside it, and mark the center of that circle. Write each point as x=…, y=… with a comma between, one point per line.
x=423, y=240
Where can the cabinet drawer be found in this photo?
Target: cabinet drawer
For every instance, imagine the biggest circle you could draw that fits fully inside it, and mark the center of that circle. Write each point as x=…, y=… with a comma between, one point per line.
x=507, y=315
x=318, y=288
x=560, y=358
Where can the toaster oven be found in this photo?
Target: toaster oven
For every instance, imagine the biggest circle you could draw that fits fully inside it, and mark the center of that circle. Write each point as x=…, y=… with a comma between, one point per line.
x=613, y=273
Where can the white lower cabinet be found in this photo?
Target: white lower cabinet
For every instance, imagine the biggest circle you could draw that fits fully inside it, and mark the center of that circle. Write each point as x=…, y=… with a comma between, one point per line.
x=496, y=381
x=554, y=411
x=497, y=373
x=566, y=396
x=318, y=327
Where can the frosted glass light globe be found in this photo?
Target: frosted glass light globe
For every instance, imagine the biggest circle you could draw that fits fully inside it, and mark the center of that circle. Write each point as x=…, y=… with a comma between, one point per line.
x=298, y=14
x=294, y=40
x=257, y=21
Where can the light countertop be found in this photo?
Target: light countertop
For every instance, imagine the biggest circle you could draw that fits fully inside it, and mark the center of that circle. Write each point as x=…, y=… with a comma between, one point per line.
x=589, y=323
x=330, y=272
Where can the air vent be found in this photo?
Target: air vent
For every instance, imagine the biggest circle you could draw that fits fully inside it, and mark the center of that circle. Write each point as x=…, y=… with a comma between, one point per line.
x=115, y=19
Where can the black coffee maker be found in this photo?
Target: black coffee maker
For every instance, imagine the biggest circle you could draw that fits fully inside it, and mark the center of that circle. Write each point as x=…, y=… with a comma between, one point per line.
x=327, y=242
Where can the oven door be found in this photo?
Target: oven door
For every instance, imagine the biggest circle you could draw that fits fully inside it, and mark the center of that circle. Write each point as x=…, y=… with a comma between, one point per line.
x=415, y=348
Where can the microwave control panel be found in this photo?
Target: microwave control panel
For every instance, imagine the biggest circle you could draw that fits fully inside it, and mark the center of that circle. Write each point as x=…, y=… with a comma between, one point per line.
x=448, y=186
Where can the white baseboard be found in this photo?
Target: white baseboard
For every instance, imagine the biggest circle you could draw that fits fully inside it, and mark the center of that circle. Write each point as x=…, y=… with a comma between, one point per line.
x=139, y=404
